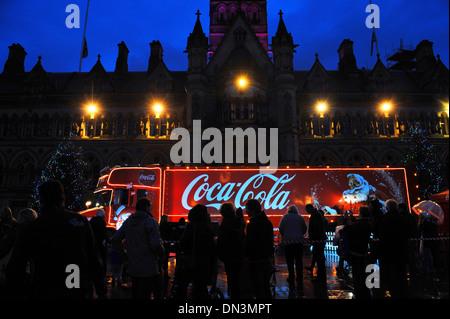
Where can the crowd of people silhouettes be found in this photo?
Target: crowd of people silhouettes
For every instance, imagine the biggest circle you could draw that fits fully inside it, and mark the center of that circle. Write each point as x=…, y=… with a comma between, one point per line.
x=36, y=250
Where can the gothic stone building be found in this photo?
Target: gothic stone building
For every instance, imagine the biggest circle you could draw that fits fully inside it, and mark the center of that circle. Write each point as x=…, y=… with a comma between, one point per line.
x=39, y=108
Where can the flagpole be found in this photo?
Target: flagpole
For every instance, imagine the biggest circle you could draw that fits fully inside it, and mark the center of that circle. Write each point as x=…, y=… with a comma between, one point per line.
x=84, y=37
x=374, y=34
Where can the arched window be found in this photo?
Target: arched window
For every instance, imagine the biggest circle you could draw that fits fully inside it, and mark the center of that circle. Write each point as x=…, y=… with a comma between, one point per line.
x=326, y=127
x=358, y=159
x=2, y=172
x=254, y=15
x=358, y=129
x=24, y=168
x=221, y=15
x=348, y=127
x=67, y=125
x=324, y=158
x=131, y=125
x=3, y=125
x=120, y=125
x=316, y=125
x=443, y=123
x=93, y=169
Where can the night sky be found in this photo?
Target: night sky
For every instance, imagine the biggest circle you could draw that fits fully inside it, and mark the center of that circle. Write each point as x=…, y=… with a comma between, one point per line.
x=317, y=26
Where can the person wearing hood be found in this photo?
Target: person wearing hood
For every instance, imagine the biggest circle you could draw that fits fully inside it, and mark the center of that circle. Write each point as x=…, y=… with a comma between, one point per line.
x=140, y=232
x=358, y=236
x=292, y=229
x=230, y=247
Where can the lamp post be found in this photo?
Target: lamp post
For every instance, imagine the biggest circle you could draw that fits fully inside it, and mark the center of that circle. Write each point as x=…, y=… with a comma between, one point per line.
x=386, y=107
x=158, y=108
x=242, y=82
x=91, y=110
x=321, y=108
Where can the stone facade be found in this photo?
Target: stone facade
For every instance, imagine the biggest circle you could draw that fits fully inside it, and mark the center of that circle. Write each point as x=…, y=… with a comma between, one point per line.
x=39, y=108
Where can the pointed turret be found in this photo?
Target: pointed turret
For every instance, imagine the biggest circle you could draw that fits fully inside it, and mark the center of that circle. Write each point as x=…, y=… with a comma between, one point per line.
x=283, y=37
x=283, y=48
x=38, y=71
x=197, y=47
x=197, y=38
x=98, y=67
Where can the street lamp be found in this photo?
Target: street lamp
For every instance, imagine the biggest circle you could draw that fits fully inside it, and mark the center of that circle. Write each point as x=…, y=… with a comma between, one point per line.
x=88, y=125
x=242, y=82
x=158, y=109
x=92, y=108
x=321, y=107
x=386, y=107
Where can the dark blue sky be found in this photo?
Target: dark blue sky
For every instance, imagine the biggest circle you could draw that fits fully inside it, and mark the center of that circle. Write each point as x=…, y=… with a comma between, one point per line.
x=317, y=26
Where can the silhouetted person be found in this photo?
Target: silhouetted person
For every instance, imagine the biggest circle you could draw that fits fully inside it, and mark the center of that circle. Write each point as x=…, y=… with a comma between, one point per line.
x=8, y=234
x=61, y=245
x=358, y=236
x=394, y=250
x=413, y=232
x=376, y=216
x=344, y=221
x=259, y=249
x=292, y=229
x=316, y=232
x=165, y=230
x=98, y=225
x=8, y=231
x=143, y=250
x=230, y=247
x=197, y=241
x=428, y=229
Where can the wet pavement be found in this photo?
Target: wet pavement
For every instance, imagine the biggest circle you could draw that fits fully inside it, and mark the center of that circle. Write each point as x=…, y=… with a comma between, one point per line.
x=339, y=285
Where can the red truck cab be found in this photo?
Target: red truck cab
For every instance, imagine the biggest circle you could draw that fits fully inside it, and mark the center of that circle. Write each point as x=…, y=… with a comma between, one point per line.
x=119, y=188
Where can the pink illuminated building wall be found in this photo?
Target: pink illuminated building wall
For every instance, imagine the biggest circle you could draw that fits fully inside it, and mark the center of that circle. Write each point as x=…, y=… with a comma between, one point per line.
x=222, y=14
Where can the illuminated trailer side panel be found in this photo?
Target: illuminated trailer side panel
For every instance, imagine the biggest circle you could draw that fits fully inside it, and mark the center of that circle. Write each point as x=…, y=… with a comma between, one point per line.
x=334, y=190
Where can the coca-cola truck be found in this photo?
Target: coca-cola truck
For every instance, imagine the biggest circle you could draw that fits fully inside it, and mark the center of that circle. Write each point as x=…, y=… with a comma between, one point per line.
x=119, y=188
x=173, y=191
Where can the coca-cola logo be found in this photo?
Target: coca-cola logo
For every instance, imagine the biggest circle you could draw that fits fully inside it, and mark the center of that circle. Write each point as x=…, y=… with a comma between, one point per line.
x=199, y=190
x=147, y=178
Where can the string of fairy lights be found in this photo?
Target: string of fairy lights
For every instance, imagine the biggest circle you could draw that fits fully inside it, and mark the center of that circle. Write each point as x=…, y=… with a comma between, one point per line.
x=420, y=153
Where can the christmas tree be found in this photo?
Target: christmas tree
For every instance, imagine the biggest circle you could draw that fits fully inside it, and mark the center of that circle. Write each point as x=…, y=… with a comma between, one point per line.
x=68, y=166
x=420, y=154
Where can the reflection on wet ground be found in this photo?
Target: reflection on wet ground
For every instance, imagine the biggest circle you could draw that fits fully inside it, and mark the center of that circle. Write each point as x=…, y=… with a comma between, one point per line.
x=339, y=285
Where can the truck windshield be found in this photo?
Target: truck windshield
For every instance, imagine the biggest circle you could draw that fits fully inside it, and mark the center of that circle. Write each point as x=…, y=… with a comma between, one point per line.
x=102, y=198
